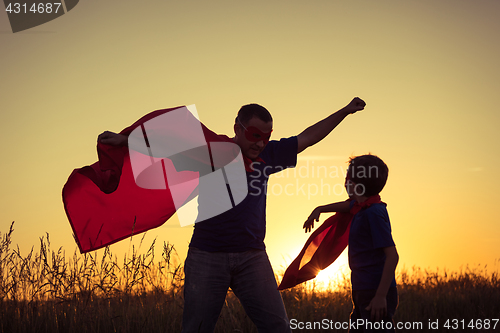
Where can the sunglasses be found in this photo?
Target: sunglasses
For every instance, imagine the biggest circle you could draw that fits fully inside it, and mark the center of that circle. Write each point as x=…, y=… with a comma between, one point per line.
x=253, y=134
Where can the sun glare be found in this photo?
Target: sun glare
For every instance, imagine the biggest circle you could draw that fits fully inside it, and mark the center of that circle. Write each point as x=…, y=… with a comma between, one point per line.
x=334, y=276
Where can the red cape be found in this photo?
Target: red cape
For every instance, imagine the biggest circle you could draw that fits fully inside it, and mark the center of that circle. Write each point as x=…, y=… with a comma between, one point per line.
x=323, y=247
x=103, y=203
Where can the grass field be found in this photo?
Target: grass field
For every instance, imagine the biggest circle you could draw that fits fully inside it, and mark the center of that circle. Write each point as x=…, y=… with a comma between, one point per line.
x=48, y=291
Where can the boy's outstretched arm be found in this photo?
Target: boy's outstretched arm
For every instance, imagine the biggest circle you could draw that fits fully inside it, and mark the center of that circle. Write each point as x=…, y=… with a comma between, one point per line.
x=340, y=207
x=378, y=305
x=315, y=133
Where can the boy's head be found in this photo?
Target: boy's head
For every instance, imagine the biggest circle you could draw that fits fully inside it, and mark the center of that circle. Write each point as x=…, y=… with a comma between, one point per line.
x=252, y=128
x=369, y=173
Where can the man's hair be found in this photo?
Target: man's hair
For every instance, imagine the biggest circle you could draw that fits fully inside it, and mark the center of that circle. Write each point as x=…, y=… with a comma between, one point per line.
x=370, y=171
x=249, y=111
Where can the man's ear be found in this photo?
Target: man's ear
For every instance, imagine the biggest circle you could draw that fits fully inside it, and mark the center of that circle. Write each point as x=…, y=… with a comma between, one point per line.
x=237, y=129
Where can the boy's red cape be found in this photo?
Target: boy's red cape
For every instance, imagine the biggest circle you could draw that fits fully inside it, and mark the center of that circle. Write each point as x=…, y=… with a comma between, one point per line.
x=103, y=203
x=323, y=247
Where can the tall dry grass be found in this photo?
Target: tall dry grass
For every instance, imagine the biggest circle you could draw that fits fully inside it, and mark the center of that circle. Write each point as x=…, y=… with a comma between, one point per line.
x=47, y=291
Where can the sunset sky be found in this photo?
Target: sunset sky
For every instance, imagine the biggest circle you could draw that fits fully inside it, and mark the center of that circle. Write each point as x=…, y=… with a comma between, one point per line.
x=429, y=72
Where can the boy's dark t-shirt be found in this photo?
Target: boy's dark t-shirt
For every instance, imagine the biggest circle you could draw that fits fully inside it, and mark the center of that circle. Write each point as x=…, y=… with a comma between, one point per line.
x=370, y=232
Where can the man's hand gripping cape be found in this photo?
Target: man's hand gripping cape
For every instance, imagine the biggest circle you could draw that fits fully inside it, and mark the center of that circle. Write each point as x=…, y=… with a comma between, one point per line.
x=103, y=202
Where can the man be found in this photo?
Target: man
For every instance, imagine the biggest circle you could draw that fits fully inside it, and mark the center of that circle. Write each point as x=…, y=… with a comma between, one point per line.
x=228, y=251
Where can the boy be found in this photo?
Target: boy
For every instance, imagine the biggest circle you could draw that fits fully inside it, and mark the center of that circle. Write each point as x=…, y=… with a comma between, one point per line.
x=372, y=253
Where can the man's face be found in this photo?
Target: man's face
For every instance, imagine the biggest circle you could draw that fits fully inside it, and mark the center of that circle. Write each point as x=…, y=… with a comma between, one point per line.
x=258, y=131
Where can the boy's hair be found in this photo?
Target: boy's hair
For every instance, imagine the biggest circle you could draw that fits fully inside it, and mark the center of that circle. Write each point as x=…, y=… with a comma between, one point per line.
x=249, y=111
x=370, y=171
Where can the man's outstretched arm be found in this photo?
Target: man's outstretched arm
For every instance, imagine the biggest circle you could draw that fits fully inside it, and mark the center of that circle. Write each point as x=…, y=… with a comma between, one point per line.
x=112, y=139
x=116, y=139
x=315, y=133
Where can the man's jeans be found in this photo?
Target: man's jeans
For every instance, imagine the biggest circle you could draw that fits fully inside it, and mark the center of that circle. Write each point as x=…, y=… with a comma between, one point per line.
x=208, y=275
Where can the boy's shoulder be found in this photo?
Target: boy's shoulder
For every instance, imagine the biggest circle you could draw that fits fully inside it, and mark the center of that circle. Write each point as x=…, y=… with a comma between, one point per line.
x=377, y=207
x=373, y=208
x=374, y=212
x=377, y=210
